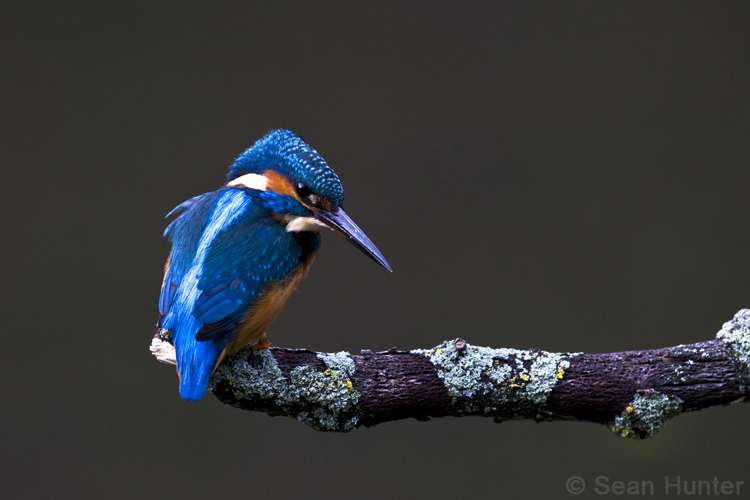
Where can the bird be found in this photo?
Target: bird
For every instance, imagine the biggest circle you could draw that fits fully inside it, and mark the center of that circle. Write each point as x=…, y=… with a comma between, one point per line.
x=239, y=252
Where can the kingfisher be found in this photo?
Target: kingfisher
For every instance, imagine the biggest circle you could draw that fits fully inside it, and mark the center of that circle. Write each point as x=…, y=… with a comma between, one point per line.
x=239, y=252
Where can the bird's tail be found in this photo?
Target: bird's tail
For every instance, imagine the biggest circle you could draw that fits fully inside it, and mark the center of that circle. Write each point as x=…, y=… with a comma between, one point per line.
x=195, y=362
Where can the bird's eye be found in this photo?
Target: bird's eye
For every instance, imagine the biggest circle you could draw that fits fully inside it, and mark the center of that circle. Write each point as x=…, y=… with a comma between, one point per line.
x=302, y=190
x=305, y=194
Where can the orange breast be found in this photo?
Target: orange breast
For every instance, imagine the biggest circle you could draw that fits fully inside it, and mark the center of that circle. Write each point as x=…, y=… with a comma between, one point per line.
x=166, y=269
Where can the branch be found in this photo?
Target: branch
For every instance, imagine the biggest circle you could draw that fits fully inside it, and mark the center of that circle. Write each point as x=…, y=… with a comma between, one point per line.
x=635, y=392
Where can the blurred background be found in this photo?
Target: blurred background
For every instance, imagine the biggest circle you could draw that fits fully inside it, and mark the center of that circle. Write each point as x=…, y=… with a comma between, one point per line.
x=565, y=175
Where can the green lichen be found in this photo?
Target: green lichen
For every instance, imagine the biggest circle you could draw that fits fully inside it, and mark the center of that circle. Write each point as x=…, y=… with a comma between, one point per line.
x=504, y=383
x=325, y=400
x=643, y=417
x=736, y=337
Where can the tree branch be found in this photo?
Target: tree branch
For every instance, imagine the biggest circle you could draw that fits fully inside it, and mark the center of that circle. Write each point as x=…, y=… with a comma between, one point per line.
x=635, y=392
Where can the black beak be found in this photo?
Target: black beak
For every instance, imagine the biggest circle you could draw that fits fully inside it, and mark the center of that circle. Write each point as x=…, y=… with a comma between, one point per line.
x=342, y=224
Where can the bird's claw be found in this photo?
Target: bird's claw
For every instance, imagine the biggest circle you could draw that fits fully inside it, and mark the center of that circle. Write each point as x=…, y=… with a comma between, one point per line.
x=262, y=344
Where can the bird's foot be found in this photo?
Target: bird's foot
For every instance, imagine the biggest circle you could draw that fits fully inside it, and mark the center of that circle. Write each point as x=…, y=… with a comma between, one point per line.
x=262, y=344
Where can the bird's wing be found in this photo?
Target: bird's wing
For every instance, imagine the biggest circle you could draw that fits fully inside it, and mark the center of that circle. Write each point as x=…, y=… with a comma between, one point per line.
x=240, y=264
x=184, y=233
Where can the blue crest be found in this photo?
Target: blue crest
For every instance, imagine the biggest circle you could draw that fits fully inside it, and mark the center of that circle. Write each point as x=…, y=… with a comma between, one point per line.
x=287, y=154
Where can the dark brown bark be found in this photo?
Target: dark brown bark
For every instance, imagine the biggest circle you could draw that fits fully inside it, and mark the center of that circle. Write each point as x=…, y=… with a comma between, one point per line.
x=597, y=387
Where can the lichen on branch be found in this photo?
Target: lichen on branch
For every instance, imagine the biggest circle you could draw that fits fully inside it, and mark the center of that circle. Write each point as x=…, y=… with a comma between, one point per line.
x=502, y=383
x=633, y=392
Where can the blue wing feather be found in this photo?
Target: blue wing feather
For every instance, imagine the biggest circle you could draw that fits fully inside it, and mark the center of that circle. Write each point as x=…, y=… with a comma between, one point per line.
x=184, y=232
x=184, y=206
x=240, y=264
x=191, y=235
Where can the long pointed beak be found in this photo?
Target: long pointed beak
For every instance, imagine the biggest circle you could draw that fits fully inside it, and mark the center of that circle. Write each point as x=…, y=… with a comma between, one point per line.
x=342, y=224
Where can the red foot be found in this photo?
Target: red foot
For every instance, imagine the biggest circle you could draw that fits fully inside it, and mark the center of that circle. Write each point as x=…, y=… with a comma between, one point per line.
x=262, y=344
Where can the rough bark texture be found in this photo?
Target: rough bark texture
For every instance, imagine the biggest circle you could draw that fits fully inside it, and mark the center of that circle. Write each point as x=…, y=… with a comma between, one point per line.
x=396, y=386
x=635, y=392
x=597, y=387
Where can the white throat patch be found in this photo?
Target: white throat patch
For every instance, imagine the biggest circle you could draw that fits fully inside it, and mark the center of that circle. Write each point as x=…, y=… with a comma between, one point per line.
x=252, y=181
x=300, y=224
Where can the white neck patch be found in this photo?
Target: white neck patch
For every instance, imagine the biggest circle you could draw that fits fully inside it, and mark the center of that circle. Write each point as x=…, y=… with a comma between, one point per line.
x=252, y=181
x=300, y=224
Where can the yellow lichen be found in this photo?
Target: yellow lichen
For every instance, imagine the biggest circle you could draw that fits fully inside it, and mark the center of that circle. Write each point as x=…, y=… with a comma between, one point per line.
x=624, y=432
x=439, y=351
x=349, y=386
x=512, y=383
x=525, y=377
x=629, y=409
x=328, y=372
x=559, y=373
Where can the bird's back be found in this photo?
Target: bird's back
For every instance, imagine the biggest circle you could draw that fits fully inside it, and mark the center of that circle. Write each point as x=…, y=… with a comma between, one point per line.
x=231, y=269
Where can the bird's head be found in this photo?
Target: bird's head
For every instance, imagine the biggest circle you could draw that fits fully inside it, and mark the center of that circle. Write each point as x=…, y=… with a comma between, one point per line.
x=309, y=193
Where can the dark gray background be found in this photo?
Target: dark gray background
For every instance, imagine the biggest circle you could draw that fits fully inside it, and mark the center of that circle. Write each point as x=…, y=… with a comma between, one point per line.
x=564, y=175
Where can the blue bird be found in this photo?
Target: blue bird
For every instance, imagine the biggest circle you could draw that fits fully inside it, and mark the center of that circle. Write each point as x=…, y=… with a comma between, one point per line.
x=239, y=252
